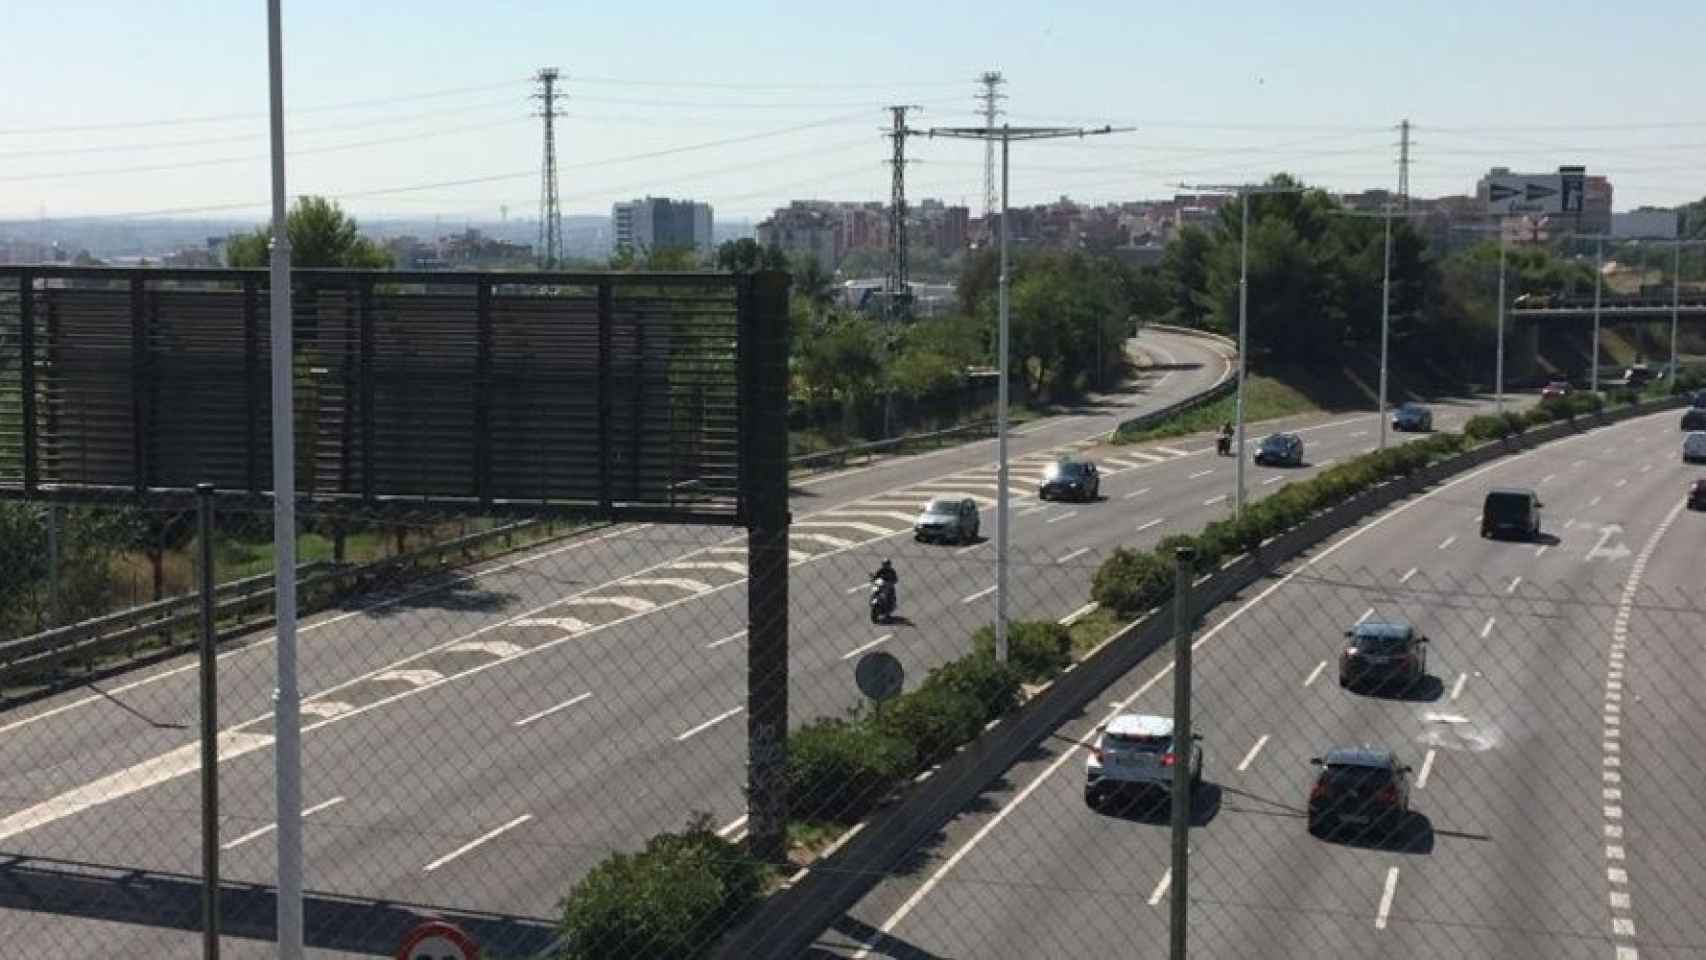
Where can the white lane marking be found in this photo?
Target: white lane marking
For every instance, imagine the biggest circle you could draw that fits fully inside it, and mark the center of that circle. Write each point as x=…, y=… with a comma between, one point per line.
x=1569, y=523
x=1386, y=898
x=1150, y=457
x=1515, y=582
x=1325, y=463
x=494, y=648
x=1211, y=501
x=1645, y=467
x=1151, y=523
x=1595, y=501
x=1244, y=764
x=1357, y=433
x=1622, y=926
x=732, y=826
x=325, y=708
x=1135, y=494
x=1171, y=452
x=1448, y=541
x=701, y=728
x=1365, y=615
x=1078, y=614
x=484, y=838
x=1121, y=464
x=857, y=587
x=1161, y=887
x=1541, y=552
x=548, y=711
x=414, y=678
x=630, y=604
x=1457, y=688
x=1407, y=575
x=1068, y=515
x=1272, y=480
x=866, y=528
x=1073, y=555
x=885, y=638
x=1621, y=482
x=738, y=569
x=973, y=598
x=565, y=624
x=965, y=550
x=676, y=583
x=854, y=513
x=167, y=766
x=1487, y=627
x=1427, y=767
x=269, y=828
x=1200, y=474
x=1547, y=478
x=1315, y=673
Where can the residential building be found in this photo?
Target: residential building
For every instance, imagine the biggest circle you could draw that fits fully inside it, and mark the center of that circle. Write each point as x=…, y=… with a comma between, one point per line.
x=659, y=223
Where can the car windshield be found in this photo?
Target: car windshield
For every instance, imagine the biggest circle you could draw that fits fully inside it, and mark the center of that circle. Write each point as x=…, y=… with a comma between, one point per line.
x=1070, y=471
x=1138, y=741
x=1276, y=442
x=1354, y=776
x=1378, y=643
x=941, y=505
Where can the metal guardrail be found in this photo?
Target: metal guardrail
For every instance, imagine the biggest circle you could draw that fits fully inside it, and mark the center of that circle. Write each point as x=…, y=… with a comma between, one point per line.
x=175, y=619
x=838, y=457
x=1145, y=421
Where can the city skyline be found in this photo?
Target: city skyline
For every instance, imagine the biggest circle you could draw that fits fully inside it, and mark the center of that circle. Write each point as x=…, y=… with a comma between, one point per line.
x=748, y=119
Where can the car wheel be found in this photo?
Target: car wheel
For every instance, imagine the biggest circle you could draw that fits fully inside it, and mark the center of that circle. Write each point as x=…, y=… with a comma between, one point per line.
x=1315, y=827
x=1093, y=798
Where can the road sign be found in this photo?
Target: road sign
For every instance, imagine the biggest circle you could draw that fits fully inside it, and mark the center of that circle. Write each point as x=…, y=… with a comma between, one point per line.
x=437, y=940
x=879, y=675
x=1515, y=193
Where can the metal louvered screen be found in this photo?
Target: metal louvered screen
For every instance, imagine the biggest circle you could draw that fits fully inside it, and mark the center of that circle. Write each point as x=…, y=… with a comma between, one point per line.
x=617, y=394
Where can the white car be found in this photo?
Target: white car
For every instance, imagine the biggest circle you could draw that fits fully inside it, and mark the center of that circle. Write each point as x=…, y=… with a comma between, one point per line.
x=1135, y=751
x=1694, y=446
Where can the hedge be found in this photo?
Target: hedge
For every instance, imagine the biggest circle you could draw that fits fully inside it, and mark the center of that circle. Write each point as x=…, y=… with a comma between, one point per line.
x=1038, y=650
x=672, y=900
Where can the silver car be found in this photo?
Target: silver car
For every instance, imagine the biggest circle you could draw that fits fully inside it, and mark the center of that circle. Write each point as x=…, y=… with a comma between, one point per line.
x=1136, y=751
x=947, y=520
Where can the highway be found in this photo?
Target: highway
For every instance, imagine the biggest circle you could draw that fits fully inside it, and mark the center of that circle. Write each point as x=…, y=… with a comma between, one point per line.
x=481, y=746
x=1556, y=795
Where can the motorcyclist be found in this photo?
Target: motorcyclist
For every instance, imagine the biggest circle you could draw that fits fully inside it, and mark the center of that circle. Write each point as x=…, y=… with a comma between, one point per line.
x=1225, y=442
x=887, y=576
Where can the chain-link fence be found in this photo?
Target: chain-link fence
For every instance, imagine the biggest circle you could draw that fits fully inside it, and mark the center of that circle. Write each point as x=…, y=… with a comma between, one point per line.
x=480, y=736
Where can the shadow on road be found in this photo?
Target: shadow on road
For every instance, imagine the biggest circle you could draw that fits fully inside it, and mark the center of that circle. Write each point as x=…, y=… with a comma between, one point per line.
x=1155, y=807
x=1426, y=690
x=173, y=901
x=879, y=943
x=1413, y=834
x=447, y=593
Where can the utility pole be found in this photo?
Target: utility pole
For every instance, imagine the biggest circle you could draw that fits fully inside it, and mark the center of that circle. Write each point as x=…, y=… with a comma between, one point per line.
x=1675, y=299
x=990, y=98
x=550, y=216
x=897, y=305
x=1404, y=164
x=1006, y=135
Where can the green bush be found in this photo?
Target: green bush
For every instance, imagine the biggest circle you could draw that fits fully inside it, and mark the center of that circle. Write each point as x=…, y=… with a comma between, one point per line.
x=1036, y=649
x=672, y=899
x=1486, y=426
x=995, y=686
x=839, y=769
x=1132, y=581
x=932, y=721
x=1207, y=557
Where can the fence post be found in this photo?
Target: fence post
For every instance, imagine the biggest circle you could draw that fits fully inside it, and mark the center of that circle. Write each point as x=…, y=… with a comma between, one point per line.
x=764, y=476
x=53, y=565
x=209, y=730
x=1183, y=795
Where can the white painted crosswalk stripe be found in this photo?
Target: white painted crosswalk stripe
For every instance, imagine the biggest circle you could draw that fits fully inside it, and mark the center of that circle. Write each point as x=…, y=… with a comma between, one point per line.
x=869, y=528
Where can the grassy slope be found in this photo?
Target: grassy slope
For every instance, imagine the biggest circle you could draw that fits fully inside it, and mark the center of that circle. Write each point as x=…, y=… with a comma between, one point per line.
x=1278, y=392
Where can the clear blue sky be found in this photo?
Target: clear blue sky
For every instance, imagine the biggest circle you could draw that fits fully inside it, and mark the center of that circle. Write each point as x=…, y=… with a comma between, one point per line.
x=1226, y=92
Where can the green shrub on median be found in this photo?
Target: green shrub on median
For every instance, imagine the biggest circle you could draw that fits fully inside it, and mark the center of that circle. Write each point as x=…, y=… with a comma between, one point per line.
x=672, y=899
x=1036, y=649
x=839, y=769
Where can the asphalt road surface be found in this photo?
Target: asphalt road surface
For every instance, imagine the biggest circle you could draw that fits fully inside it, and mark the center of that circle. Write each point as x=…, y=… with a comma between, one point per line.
x=482, y=745
x=1556, y=802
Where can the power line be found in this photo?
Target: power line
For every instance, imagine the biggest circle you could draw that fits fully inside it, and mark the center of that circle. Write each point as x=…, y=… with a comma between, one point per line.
x=224, y=117
x=728, y=105
x=720, y=85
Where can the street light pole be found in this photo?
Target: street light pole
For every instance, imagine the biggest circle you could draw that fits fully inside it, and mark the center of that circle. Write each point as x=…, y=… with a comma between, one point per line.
x=1385, y=320
x=1675, y=300
x=1006, y=133
x=1598, y=282
x=1243, y=343
x=1499, y=372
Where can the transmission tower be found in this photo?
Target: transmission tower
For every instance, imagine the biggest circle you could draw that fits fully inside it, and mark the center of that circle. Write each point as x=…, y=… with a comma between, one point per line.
x=550, y=216
x=990, y=98
x=898, y=289
x=1404, y=165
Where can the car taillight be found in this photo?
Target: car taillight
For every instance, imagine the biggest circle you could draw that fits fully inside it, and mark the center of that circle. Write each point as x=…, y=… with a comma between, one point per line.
x=1097, y=753
x=1168, y=759
x=1321, y=792
x=1387, y=794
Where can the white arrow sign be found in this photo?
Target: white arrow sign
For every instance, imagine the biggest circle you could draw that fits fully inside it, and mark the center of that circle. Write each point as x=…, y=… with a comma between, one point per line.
x=1600, y=550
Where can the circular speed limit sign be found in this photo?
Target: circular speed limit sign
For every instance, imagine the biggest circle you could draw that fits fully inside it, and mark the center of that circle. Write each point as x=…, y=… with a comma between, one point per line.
x=437, y=940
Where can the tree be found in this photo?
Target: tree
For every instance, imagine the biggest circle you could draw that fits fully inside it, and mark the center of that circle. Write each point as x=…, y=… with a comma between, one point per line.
x=746, y=255
x=813, y=284
x=1184, y=276
x=321, y=235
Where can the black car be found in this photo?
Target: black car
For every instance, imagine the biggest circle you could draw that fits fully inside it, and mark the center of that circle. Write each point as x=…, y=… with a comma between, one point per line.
x=1074, y=479
x=1511, y=512
x=1379, y=652
x=1363, y=787
x=1694, y=418
x=1697, y=495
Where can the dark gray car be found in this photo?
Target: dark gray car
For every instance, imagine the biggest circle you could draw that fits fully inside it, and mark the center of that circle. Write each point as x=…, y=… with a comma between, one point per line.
x=1280, y=450
x=948, y=520
x=1412, y=417
x=1378, y=652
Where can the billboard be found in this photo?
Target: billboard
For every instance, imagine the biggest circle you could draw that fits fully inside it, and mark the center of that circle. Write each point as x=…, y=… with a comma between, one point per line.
x=1512, y=194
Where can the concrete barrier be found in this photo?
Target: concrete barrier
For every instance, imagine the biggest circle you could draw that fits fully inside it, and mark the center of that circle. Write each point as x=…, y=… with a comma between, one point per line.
x=785, y=925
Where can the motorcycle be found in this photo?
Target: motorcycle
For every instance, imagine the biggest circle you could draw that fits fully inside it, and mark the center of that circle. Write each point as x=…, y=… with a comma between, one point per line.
x=1223, y=445
x=882, y=600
